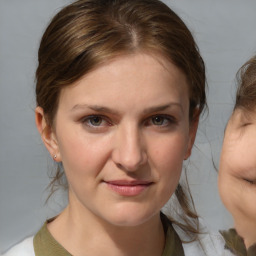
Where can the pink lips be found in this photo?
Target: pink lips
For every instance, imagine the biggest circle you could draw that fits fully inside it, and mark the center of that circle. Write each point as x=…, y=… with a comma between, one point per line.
x=128, y=188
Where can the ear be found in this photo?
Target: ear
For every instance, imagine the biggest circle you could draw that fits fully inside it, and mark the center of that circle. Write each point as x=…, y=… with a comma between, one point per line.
x=192, y=132
x=47, y=134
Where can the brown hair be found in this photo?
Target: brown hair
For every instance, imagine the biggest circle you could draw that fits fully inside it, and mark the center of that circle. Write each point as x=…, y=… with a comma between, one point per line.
x=246, y=92
x=88, y=33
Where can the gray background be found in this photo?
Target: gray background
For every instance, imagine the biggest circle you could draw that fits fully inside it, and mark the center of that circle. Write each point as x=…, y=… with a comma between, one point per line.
x=225, y=32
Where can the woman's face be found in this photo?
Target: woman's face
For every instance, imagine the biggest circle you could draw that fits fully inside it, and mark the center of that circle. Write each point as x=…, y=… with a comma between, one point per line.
x=237, y=174
x=122, y=132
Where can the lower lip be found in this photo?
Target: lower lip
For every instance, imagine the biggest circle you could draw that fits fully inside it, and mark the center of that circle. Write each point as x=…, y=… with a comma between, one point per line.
x=128, y=190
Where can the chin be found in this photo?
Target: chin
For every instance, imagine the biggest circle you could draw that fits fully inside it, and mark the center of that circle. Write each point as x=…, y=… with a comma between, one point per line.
x=130, y=217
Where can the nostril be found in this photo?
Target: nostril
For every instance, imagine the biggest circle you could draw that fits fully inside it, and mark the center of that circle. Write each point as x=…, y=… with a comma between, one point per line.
x=130, y=164
x=126, y=167
x=119, y=166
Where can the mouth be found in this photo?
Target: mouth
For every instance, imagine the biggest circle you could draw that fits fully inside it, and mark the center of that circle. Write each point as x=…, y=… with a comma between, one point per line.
x=128, y=187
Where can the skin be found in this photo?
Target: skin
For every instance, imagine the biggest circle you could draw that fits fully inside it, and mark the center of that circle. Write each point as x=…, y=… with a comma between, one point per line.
x=237, y=174
x=126, y=121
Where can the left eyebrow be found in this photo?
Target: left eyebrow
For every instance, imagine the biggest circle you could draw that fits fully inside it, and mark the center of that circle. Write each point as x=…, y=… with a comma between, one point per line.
x=163, y=107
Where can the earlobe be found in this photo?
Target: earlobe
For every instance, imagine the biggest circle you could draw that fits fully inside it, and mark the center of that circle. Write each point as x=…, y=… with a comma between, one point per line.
x=192, y=133
x=47, y=134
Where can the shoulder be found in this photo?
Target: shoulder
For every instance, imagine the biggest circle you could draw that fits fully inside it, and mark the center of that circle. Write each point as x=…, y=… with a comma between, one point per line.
x=24, y=248
x=209, y=244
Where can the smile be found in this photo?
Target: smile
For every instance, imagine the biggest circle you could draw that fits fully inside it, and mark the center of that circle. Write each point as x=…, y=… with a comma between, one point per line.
x=128, y=188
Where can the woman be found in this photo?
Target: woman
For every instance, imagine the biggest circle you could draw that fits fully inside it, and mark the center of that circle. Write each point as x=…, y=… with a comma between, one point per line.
x=237, y=174
x=120, y=88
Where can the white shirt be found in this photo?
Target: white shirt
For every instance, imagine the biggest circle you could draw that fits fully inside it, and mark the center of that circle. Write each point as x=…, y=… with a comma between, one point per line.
x=25, y=248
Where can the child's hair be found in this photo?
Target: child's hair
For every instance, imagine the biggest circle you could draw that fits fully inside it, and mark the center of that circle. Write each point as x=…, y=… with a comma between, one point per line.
x=88, y=33
x=246, y=92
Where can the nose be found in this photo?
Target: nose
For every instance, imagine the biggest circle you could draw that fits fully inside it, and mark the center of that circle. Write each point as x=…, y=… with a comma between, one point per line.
x=129, y=153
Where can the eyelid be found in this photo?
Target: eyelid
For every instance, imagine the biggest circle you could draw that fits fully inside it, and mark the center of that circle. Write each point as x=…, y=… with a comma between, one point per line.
x=167, y=116
x=85, y=120
x=249, y=181
x=170, y=118
x=246, y=124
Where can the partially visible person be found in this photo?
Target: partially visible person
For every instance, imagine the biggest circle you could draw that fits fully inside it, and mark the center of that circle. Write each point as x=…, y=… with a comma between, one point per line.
x=237, y=171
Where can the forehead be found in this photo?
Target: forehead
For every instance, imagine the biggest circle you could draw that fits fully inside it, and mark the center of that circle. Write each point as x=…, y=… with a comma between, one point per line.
x=145, y=58
x=239, y=119
x=150, y=76
x=242, y=114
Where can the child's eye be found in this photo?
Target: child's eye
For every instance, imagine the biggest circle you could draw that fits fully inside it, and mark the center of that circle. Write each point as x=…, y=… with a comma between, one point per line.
x=246, y=124
x=251, y=182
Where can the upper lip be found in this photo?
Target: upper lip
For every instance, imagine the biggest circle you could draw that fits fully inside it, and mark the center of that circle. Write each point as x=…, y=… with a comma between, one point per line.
x=129, y=182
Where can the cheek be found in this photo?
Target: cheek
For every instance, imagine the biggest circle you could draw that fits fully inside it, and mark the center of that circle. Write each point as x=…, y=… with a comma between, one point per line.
x=226, y=187
x=228, y=183
x=167, y=161
x=248, y=209
x=243, y=204
x=252, y=207
x=238, y=155
x=238, y=197
x=83, y=154
x=168, y=156
x=232, y=165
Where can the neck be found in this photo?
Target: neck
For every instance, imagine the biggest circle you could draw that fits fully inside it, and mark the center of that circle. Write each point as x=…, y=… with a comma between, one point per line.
x=82, y=233
x=247, y=230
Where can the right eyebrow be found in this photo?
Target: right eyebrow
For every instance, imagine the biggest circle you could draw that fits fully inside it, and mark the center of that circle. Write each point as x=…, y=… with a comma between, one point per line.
x=96, y=108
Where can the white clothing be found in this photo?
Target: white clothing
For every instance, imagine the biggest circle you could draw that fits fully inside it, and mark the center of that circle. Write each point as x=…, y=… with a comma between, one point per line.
x=25, y=248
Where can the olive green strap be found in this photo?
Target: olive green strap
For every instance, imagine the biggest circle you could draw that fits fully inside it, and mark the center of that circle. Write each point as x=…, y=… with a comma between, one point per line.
x=235, y=243
x=252, y=250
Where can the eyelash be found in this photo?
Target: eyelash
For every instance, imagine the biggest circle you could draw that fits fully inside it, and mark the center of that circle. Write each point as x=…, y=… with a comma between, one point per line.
x=246, y=124
x=250, y=182
x=167, y=120
x=87, y=121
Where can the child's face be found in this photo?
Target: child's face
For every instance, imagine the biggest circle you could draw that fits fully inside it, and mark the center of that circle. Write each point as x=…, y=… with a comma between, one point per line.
x=237, y=173
x=122, y=133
